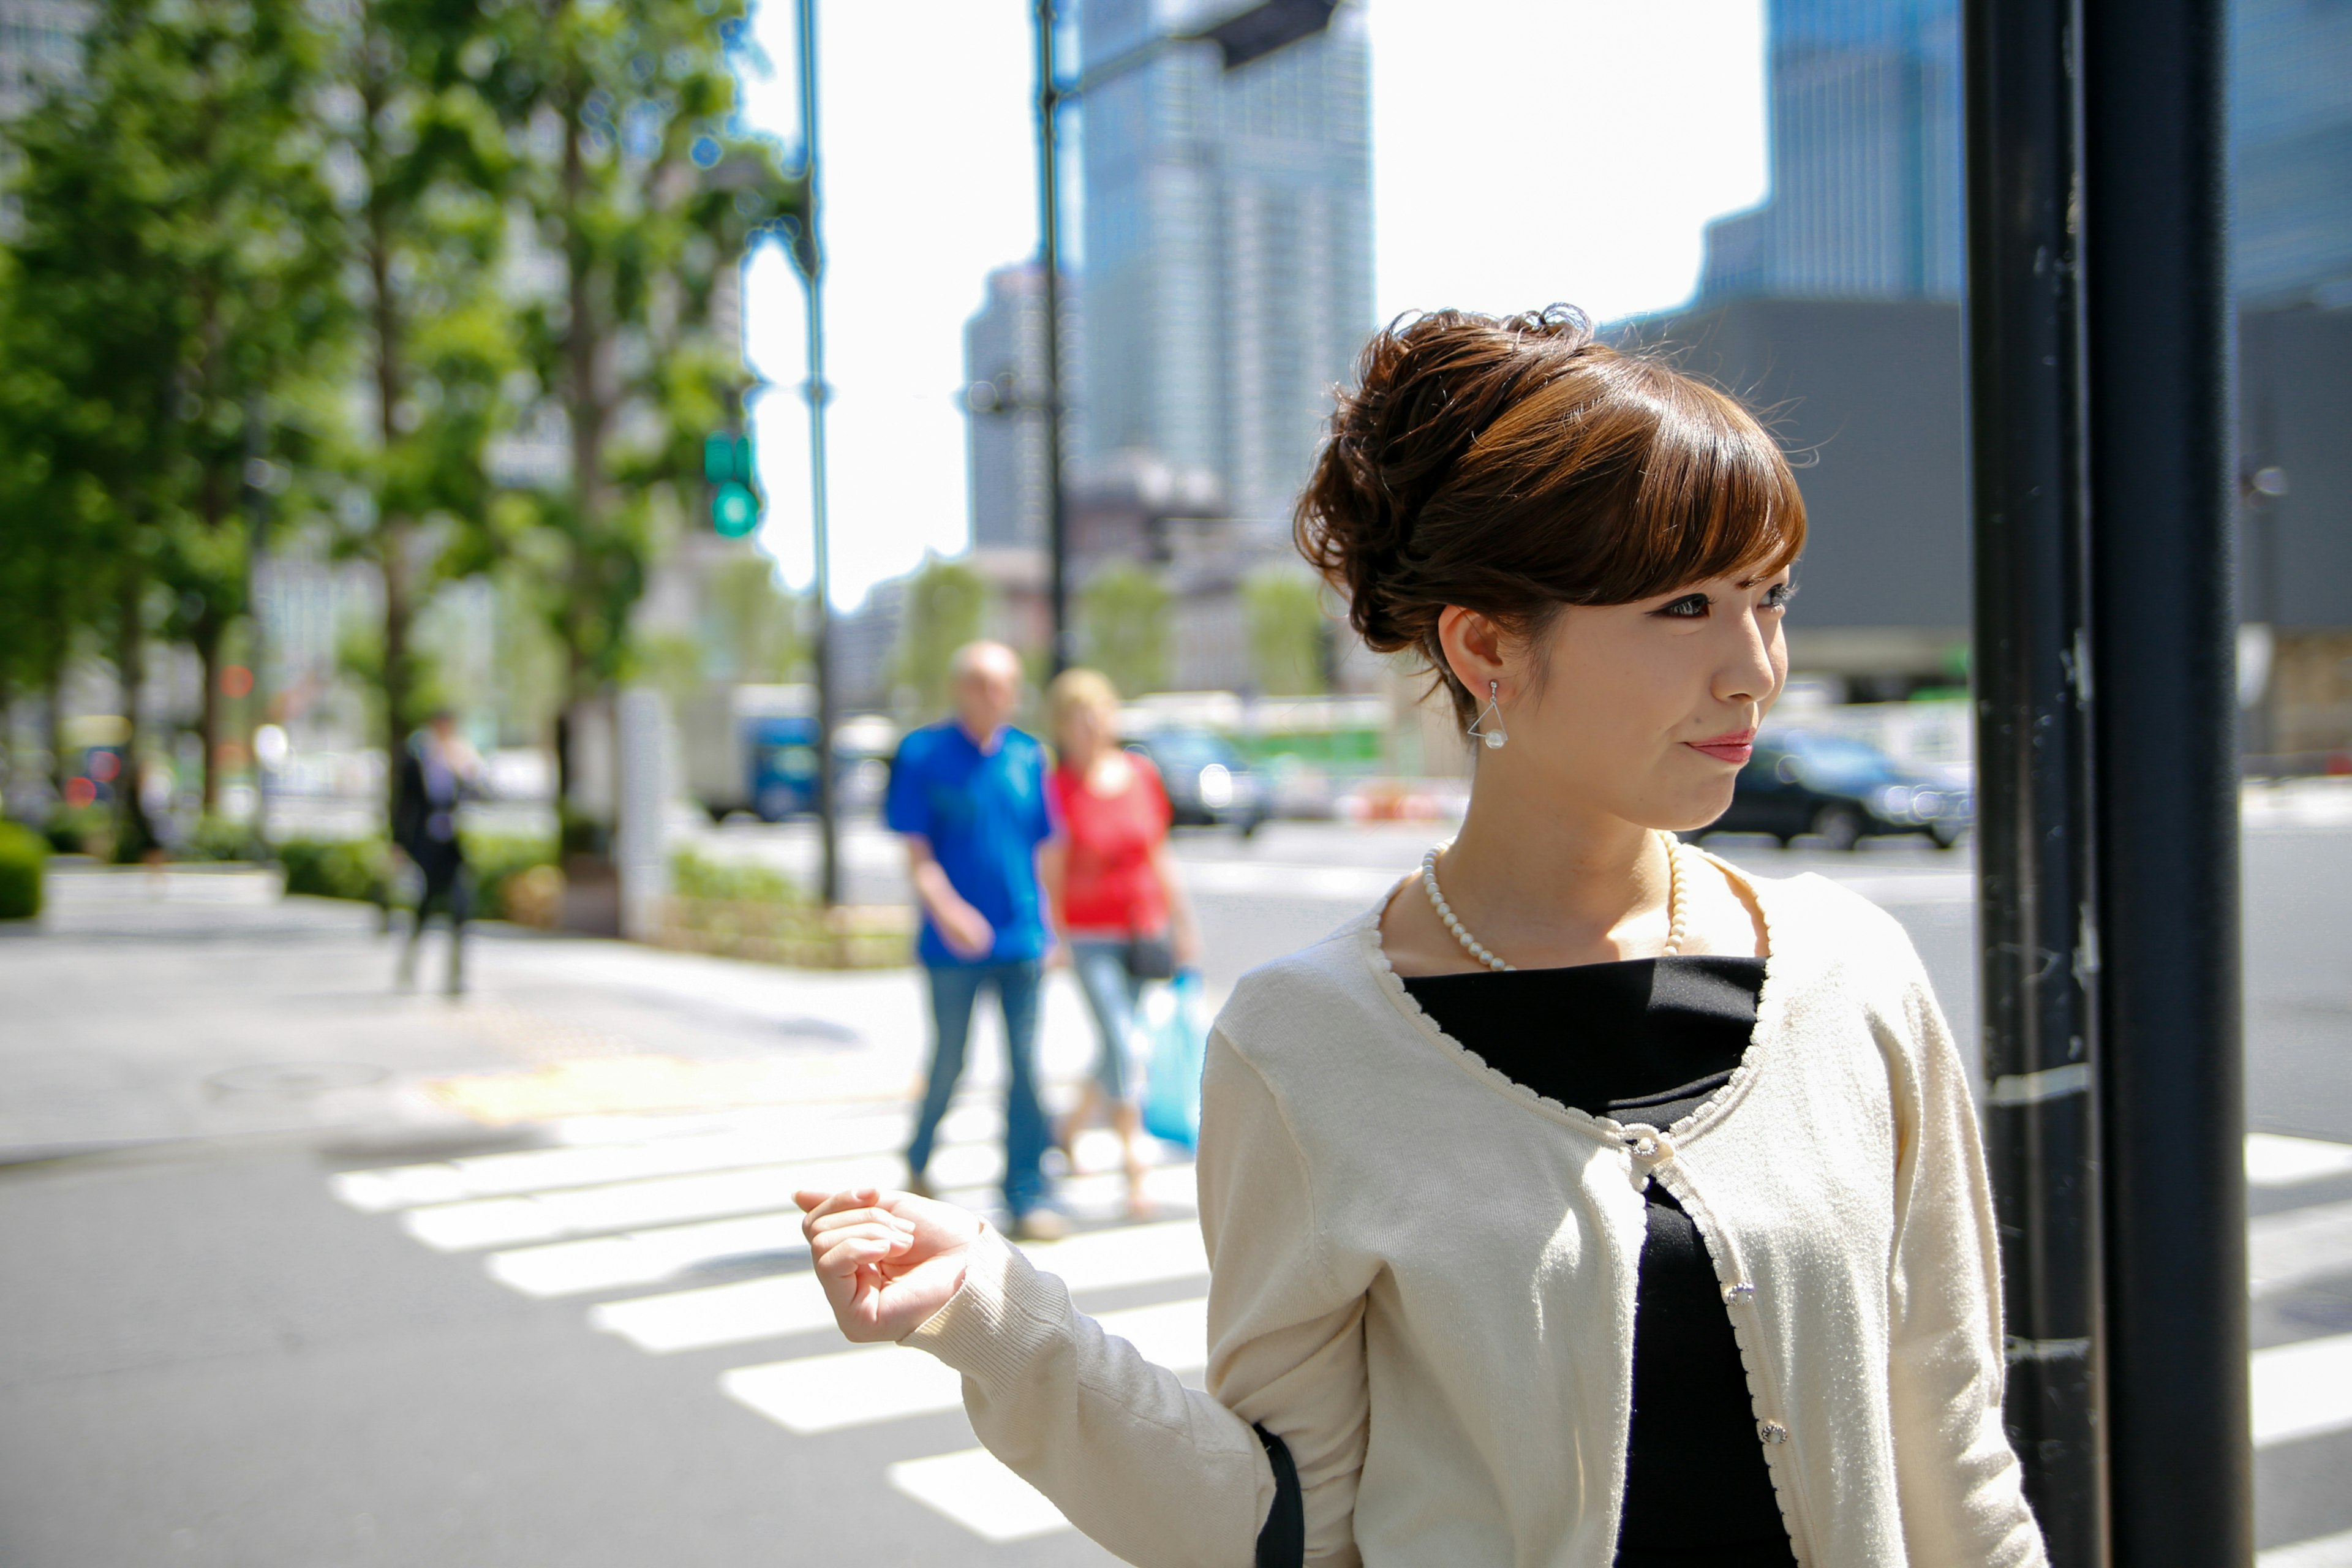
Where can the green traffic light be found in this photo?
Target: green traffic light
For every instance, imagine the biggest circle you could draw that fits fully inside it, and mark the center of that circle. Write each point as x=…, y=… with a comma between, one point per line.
x=734, y=511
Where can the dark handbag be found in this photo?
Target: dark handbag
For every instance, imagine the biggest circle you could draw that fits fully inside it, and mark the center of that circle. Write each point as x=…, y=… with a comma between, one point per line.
x=1151, y=958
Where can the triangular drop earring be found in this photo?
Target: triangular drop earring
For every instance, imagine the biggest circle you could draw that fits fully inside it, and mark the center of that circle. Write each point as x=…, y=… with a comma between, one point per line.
x=1488, y=725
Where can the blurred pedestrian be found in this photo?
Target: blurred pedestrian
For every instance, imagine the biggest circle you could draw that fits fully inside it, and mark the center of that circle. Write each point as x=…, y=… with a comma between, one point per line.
x=438, y=772
x=1117, y=906
x=1656, y=1232
x=968, y=795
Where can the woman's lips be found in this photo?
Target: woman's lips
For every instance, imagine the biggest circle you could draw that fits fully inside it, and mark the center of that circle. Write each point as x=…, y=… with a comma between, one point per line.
x=1734, y=747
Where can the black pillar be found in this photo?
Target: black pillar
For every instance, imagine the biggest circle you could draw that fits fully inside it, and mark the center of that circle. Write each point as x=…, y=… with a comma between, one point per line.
x=2162, y=613
x=2033, y=690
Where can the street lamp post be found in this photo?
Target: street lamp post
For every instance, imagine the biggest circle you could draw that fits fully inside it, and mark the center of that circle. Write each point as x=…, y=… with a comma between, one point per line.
x=808, y=257
x=1247, y=35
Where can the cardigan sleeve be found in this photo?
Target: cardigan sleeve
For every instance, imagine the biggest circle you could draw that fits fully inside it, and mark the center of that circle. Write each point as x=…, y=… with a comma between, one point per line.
x=1959, y=1484
x=1156, y=1472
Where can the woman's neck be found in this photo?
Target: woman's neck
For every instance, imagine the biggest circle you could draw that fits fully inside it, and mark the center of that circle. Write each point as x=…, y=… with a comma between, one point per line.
x=1559, y=884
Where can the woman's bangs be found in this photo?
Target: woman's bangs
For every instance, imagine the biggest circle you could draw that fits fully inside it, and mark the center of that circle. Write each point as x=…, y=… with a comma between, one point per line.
x=1714, y=497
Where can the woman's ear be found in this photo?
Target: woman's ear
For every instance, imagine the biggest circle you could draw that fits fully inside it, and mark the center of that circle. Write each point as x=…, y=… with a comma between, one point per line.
x=1473, y=648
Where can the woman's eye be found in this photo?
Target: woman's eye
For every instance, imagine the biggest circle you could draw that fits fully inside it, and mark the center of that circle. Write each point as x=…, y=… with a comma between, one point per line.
x=1689, y=608
x=1776, y=597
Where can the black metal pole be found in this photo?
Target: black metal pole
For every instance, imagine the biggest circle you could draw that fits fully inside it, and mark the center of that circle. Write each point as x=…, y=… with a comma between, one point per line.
x=1064, y=652
x=2033, y=691
x=2171, y=1081
x=811, y=256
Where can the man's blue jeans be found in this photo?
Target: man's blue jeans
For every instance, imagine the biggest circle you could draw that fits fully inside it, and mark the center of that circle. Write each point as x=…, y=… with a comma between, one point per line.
x=955, y=988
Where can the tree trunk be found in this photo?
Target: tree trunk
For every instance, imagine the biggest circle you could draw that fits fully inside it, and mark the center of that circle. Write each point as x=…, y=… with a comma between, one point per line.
x=134, y=835
x=585, y=412
x=392, y=533
x=206, y=636
x=54, y=701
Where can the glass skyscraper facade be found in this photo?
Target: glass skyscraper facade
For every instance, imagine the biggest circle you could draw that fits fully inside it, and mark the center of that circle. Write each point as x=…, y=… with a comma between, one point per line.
x=1228, y=248
x=1867, y=199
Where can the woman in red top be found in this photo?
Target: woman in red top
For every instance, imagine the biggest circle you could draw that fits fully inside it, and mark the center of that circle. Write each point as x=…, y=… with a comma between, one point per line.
x=1112, y=887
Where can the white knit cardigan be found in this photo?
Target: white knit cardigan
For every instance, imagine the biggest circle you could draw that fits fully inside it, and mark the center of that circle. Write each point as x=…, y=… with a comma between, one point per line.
x=1423, y=1279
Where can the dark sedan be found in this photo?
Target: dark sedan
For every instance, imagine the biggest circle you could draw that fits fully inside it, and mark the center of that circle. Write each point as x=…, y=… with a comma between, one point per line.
x=1846, y=790
x=1209, y=783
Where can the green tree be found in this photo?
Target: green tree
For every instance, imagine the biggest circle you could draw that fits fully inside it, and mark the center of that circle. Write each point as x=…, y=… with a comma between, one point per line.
x=620, y=109
x=1124, y=623
x=1288, y=632
x=755, y=631
x=945, y=606
x=167, y=285
x=425, y=165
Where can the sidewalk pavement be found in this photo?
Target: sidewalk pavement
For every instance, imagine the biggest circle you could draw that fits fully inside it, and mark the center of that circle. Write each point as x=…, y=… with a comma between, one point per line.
x=148, y=1007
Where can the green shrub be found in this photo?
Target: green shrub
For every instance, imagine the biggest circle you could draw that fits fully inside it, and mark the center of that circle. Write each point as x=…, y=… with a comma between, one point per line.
x=358, y=868
x=23, y=855
x=80, y=830
x=497, y=859
x=218, y=838
x=694, y=876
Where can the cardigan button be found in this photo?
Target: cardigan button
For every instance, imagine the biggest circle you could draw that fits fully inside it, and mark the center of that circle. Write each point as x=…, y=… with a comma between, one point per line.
x=1771, y=1432
x=1740, y=1294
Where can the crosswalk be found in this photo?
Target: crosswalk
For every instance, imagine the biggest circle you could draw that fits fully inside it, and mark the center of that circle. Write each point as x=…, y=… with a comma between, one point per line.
x=636, y=1214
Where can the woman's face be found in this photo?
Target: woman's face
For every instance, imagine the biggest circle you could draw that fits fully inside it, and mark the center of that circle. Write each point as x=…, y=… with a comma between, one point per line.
x=1644, y=712
x=1081, y=732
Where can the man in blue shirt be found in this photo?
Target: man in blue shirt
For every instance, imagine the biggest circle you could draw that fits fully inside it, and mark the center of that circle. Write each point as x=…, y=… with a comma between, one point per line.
x=969, y=793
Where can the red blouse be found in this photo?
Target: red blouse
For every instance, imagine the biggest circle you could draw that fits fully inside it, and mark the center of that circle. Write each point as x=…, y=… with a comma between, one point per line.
x=1109, y=884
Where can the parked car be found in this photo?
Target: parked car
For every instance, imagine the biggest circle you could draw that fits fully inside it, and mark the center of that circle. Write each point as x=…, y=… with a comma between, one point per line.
x=1209, y=783
x=1799, y=781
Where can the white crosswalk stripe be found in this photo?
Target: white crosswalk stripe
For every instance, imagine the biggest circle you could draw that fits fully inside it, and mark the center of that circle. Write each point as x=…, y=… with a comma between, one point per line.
x=626, y=1204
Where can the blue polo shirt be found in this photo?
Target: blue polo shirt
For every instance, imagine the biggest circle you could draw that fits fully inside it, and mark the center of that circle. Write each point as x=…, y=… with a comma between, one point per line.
x=984, y=813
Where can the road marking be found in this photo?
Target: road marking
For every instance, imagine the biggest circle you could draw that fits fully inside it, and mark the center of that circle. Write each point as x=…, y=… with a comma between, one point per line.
x=2284, y=1250
x=2273, y=1160
x=2327, y=1552
x=2303, y=1389
x=718, y=1314
x=864, y=1387
x=767, y=1308
x=972, y=1488
x=646, y=1257
x=762, y=1139
x=478, y=1222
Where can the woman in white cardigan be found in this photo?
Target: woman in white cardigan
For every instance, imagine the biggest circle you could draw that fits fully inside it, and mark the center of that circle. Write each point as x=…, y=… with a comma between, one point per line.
x=1586, y=1201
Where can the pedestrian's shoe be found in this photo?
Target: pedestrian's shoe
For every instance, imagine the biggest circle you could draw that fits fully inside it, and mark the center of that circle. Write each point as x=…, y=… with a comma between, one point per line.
x=1039, y=1225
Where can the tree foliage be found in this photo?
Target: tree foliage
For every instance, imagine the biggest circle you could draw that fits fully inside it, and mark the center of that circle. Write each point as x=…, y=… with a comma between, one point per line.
x=1289, y=632
x=945, y=606
x=1126, y=616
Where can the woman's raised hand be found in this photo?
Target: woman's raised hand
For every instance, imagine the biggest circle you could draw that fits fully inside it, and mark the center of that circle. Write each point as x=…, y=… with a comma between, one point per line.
x=887, y=1260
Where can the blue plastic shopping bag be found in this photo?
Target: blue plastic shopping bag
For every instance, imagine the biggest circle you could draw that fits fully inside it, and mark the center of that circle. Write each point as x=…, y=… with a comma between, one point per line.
x=1173, y=1019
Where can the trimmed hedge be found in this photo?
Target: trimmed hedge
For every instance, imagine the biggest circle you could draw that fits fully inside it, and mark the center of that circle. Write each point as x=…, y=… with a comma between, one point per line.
x=24, y=855
x=356, y=868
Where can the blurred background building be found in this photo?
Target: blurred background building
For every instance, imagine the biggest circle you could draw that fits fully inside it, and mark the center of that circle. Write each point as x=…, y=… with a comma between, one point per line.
x=1836, y=304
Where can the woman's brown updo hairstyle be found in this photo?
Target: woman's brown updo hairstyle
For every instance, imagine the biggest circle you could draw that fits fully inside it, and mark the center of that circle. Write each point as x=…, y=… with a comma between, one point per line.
x=1515, y=465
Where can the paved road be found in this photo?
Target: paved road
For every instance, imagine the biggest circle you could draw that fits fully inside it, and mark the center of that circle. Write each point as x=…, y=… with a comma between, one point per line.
x=373, y=1278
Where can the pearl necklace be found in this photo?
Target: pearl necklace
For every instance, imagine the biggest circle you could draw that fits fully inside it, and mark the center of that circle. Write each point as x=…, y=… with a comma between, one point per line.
x=1677, y=926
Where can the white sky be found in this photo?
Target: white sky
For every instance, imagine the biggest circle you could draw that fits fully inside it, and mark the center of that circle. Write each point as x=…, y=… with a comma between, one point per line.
x=1523, y=150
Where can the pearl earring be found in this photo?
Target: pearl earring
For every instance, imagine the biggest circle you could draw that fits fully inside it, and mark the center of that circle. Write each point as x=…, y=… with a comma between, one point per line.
x=1488, y=725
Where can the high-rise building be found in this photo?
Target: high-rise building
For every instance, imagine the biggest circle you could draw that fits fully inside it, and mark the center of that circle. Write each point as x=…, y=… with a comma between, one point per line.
x=2291, y=151
x=1004, y=362
x=40, y=44
x=1227, y=251
x=1866, y=196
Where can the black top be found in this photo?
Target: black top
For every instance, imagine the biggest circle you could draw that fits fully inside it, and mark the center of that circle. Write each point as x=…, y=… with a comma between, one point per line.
x=1646, y=1041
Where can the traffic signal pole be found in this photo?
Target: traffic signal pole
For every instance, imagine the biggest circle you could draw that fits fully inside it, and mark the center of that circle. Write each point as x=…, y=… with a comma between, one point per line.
x=1050, y=94
x=2163, y=639
x=808, y=253
x=2100, y=406
x=2038, y=915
